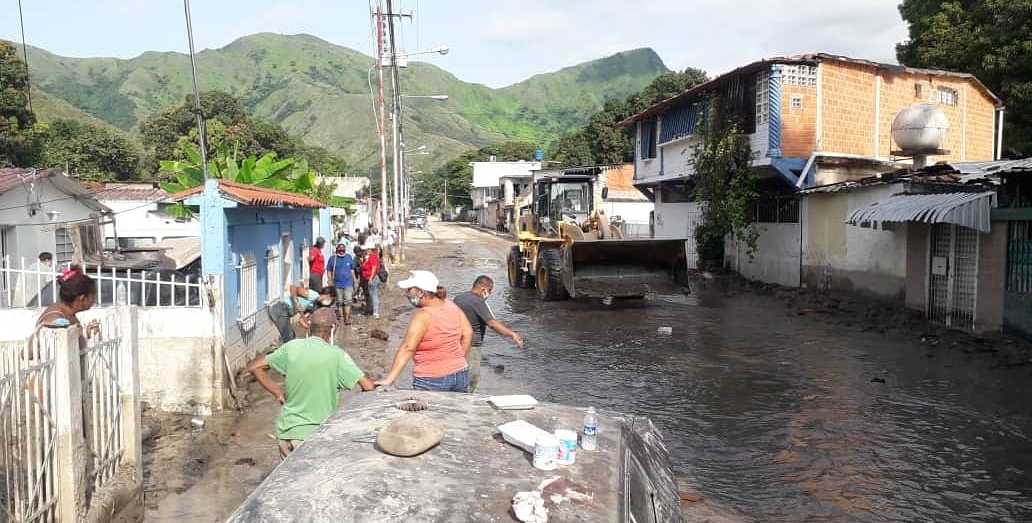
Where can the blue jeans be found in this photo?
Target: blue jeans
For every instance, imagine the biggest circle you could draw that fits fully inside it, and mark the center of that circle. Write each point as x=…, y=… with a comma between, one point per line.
x=374, y=295
x=456, y=382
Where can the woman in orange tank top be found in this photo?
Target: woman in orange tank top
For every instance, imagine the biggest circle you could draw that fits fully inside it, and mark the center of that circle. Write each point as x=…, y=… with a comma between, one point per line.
x=437, y=340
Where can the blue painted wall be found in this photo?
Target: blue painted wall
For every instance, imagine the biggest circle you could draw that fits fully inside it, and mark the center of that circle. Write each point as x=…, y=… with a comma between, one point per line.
x=254, y=230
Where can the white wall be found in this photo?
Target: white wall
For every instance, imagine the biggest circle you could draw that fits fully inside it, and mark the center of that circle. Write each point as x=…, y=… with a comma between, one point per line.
x=631, y=212
x=138, y=219
x=675, y=220
x=776, y=259
x=34, y=234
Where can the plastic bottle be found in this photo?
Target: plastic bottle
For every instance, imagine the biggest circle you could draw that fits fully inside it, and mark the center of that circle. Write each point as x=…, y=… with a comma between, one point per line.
x=589, y=435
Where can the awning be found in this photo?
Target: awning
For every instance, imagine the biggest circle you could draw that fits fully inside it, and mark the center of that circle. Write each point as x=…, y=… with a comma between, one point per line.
x=967, y=209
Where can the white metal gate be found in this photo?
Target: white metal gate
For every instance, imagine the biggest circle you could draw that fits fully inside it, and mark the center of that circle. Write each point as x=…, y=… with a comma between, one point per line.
x=102, y=366
x=28, y=432
x=691, y=251
x=952, y=275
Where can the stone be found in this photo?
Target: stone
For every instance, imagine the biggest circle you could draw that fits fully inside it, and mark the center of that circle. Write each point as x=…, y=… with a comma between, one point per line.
x=379, y=334
x=410, y=435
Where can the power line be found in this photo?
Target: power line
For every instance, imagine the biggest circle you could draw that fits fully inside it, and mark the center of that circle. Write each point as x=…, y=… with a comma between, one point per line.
x=25, y=56
x=63, y=198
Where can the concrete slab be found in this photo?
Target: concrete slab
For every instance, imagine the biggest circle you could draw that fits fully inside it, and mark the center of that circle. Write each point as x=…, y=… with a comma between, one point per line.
x=339, y=475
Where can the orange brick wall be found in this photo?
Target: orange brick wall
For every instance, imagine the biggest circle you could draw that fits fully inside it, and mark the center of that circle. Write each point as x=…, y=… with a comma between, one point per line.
x=798, y=126
x=848, y=93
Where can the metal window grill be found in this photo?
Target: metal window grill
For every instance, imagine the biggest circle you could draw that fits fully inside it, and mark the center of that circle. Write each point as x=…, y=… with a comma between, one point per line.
x=273, y=275
x=248, y=291
x=776, y=210
x=762, y=98
x=964, y=277
x=1019, y=257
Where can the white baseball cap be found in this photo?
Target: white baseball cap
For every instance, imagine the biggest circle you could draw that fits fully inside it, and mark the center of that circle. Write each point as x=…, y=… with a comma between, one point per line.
x=424, y=280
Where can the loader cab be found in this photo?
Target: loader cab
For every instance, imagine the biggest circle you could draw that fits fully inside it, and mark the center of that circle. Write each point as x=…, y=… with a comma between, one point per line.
x=562, y=198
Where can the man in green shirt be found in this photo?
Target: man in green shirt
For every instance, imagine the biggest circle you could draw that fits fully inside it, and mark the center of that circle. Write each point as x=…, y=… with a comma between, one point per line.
x=314, y=374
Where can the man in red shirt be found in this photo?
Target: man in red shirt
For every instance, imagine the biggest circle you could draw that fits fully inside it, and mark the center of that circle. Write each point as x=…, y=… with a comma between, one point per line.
x=316, y=265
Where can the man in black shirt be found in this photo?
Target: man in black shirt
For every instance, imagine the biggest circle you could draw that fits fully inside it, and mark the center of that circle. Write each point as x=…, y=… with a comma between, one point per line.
x=474, y=304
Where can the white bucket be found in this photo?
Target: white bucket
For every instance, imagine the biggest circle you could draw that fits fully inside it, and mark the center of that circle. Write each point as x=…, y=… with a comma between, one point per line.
x=546, y=449
x=567, y=446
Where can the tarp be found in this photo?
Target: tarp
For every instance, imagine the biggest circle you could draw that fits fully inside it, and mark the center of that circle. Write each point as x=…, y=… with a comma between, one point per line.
x=968, y=209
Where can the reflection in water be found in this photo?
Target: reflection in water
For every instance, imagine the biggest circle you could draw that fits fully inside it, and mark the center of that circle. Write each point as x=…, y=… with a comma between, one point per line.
x=776, y=415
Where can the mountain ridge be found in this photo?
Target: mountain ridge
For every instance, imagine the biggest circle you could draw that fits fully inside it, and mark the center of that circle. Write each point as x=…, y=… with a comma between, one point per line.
x=319, y=92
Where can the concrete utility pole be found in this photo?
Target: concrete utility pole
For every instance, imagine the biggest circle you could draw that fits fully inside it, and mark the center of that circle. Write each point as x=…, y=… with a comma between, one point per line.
x=379, y=122
x=396, y=130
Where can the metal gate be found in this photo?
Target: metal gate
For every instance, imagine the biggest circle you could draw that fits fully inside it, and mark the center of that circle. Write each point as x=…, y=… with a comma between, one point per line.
x=691, y=251
x=953, y=274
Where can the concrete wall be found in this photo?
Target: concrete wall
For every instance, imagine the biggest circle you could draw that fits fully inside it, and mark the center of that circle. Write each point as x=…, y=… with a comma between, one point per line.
x=918, y=235
x=178, y=365
x=776, y=259
x=672, y=219
x=849, y=258
x=992, y=279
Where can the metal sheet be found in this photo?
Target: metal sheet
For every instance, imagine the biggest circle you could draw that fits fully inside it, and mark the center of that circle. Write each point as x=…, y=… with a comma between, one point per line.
x=966, y=209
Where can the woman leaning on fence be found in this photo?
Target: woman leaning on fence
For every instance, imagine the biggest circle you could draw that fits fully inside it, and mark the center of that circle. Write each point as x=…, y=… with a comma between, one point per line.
x=77, y=293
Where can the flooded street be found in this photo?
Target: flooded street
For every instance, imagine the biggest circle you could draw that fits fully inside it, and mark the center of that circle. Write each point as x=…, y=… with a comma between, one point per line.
x=774, y=416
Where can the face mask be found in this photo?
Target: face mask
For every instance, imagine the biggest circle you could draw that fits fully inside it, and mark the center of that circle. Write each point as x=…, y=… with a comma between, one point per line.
x=414, y=299
x=325, y=301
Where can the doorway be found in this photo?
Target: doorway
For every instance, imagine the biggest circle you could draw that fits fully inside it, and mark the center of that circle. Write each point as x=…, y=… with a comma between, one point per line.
x=953, y=274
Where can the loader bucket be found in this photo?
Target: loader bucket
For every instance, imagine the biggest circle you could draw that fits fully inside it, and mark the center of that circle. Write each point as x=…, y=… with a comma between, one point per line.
x=621, y=268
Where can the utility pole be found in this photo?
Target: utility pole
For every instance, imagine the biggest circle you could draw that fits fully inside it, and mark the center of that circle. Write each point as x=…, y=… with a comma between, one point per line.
x=445, y=210
x=202, y=133
x=396, y=129
x=380, y=123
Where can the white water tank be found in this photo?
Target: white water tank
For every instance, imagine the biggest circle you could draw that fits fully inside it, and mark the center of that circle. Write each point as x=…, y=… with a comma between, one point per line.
x=920, y=128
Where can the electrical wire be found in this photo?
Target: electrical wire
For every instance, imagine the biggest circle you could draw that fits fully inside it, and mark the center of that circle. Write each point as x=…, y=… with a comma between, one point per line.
x=63, y=198
x=86, y=220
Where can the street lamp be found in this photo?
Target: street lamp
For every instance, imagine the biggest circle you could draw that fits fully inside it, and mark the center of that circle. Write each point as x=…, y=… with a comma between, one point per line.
x=438, y=97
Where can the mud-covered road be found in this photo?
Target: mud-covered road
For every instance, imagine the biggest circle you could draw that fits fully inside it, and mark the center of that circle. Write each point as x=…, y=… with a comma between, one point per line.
x=771, y=415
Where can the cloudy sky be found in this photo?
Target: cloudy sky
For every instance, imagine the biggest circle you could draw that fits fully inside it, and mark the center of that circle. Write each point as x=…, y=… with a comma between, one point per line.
x=495, y=42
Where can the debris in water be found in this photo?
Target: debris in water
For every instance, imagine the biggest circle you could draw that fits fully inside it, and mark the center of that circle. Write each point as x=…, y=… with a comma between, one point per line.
x=666, y=330
x=379, y=334
x=197, y=422
x=250, y=462
x=877, y=380
x=499, y=369
x=529, y=507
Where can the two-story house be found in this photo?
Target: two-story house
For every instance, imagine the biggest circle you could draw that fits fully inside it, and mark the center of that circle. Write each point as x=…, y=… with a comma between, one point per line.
x=487, y=189
x=811, y=120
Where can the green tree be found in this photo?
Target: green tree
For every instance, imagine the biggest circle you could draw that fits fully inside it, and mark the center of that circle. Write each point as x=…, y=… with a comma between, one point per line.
x=601, y=141
x=89, y=150
x=20, y=145
x=991, y=39
x=725, y=184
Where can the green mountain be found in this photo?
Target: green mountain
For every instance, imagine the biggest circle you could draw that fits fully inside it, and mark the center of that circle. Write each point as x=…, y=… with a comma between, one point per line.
x=320, y=92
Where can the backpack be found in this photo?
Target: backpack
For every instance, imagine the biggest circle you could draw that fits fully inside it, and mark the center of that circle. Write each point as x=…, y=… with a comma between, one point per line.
x=382, y=273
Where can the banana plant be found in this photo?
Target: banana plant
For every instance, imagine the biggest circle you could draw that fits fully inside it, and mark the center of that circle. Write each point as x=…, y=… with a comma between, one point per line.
x=288, y=174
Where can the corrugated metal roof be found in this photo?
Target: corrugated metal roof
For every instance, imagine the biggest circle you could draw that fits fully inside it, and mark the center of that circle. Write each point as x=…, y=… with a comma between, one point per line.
x=255, y=196
x=997, y=166
x=798, y=59
x=966, y=209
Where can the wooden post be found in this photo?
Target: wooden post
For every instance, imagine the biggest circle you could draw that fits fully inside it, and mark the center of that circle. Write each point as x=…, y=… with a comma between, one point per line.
x=129, y=385
x=71, y=446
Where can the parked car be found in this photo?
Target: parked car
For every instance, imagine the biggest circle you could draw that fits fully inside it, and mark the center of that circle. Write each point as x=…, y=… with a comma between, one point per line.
x=417, y=221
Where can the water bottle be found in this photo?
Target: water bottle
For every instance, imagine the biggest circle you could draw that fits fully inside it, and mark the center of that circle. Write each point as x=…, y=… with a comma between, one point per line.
x=120, y=294
x=589, y=435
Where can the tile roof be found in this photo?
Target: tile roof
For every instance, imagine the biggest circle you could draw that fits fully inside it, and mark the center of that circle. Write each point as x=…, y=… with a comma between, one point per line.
x=13, y=177
x=255, y=196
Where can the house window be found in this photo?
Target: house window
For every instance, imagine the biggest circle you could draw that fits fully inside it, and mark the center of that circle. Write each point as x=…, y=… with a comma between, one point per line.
x=947, y=96
x=273, y=279
x=762, y=99
x=797, y=102
x=804, y=75
x=648, y=139
x=247, y=289
x=63, y=250
x=918, y=90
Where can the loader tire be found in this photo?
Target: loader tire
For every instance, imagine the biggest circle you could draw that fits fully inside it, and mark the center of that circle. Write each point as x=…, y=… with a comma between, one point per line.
x=514, y=266
x=549, y=276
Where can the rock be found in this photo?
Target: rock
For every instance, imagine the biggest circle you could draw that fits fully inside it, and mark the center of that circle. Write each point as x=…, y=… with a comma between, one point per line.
x=379, y=334
x=409, y=435
x=250, y=462
x=529, y=507
x=877, y=380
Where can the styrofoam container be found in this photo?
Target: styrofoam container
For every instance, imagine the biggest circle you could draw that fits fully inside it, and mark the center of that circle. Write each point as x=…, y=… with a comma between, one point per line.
x=522, y=434
x=513, y=402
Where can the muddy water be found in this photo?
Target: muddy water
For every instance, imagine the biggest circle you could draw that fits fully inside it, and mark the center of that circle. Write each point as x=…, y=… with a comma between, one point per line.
x=778, y=417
